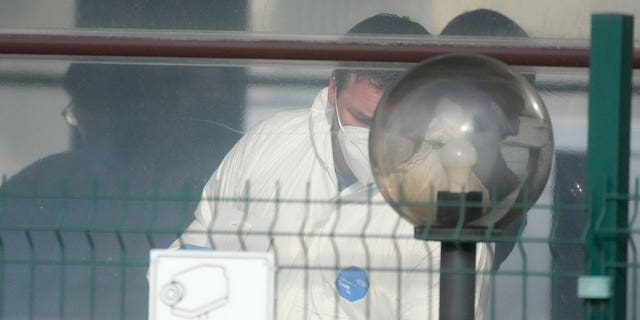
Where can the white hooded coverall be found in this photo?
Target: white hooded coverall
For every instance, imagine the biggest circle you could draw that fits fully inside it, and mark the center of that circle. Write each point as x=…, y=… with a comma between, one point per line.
x=340, y=255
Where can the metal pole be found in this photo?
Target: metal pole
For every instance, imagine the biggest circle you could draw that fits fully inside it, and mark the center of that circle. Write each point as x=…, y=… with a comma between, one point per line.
x=457, y=280
x=605, y=286
x=457, y=252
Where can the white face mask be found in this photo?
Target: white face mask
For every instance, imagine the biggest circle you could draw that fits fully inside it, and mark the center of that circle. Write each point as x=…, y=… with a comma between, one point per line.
x=354, y=143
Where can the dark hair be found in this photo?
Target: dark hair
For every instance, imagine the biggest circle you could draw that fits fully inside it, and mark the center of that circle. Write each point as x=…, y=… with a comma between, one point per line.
x=116, y=86
x=385, y=24
x=483, y=22
x=486, y=23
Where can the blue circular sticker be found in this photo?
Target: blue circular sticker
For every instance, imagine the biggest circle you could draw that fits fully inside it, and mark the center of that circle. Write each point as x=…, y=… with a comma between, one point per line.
x=352, y=283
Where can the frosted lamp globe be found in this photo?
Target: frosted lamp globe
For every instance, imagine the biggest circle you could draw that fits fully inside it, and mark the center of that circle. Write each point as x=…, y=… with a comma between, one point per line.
x=454, y=112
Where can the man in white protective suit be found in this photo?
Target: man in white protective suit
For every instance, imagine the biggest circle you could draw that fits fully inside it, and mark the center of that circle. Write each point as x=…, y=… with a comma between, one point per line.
x=299, y=185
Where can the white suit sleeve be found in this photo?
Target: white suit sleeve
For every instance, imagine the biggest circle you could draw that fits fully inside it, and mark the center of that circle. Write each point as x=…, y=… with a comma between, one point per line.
x=218, y=208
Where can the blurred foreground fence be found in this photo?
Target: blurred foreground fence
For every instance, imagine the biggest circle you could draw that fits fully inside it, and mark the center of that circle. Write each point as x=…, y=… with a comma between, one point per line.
x=83, y=254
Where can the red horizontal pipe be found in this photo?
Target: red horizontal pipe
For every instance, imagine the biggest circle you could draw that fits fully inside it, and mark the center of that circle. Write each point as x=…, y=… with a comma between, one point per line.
x=102, y=45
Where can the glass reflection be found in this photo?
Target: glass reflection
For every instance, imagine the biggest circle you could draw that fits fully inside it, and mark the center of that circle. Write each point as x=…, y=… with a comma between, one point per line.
x=146, y=139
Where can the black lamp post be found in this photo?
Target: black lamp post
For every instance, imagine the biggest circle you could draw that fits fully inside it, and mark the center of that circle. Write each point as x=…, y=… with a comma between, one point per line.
x=454, y=146
x=457, y=254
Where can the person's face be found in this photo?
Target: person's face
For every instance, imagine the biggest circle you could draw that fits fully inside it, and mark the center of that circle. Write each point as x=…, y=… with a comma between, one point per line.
x=94, y=124
x=357, y=100
x=108, y=127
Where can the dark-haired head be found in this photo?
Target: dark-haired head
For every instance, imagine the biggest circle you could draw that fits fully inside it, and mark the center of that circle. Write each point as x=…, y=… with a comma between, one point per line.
x=483, y=22
x=389, y=24
x=380, y=24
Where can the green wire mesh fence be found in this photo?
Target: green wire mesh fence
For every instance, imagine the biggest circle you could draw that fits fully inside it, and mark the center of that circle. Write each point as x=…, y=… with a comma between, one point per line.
x=68, y=253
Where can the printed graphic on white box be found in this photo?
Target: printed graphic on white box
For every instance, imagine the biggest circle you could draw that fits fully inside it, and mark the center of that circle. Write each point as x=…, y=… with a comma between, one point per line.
x=204, y=284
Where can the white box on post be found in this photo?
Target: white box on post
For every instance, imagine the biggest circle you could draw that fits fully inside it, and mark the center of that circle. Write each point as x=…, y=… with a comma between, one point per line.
x=206, y=284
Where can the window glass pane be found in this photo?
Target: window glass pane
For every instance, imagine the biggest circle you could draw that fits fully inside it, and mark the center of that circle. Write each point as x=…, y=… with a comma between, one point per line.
x=37, y=14
x=145, y=136
x=548, y=19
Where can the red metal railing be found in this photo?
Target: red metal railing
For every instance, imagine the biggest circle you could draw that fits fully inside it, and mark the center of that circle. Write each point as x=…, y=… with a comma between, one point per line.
x=332, y=50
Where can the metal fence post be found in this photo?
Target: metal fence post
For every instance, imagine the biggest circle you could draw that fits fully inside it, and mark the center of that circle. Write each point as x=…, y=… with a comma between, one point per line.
x=604, y=287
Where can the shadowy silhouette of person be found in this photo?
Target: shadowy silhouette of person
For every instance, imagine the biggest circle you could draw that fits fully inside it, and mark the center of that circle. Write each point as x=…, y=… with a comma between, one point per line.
x=79, y=224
